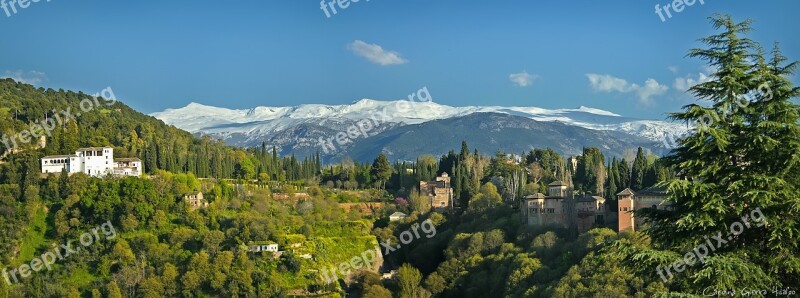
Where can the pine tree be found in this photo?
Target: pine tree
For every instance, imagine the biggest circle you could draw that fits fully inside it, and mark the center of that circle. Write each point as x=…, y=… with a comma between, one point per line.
x=381, y=170
x=745, y=161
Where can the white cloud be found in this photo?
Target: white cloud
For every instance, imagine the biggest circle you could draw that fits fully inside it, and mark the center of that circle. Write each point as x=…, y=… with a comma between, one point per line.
x=651, y=88
x=29, y=77
x=683, y=84
x=375, y=53
x=522, y=79
x=609, y=83
x=673, y=69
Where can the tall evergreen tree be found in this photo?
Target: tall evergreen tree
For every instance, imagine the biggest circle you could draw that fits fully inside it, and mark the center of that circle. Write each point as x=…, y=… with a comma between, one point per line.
x=639, y=169
x=611, y=190
x=742, y=167
x=69, y=137
x=381, y=169
x=624, y=174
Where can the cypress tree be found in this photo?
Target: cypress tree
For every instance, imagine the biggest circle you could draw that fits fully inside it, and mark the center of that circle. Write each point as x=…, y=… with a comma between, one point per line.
x=624, y=174
x=639, y=169
x=612, y=182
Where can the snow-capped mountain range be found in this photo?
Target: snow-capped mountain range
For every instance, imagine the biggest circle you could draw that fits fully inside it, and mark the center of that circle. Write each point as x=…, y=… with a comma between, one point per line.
x=301, y=126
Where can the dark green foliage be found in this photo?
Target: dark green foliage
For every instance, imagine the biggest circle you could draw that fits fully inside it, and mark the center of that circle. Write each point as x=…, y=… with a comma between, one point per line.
x=591, y=172
x=381, y=170
x=742, y=163
x=639, y=170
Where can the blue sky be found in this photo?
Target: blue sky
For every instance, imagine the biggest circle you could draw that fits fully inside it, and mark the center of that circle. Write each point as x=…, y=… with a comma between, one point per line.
x=613, y=55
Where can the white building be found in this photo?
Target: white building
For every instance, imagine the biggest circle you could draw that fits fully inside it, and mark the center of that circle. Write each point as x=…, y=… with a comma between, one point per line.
x=128, y=167
x=397, y=216
x=94, y=161
x=265, y=247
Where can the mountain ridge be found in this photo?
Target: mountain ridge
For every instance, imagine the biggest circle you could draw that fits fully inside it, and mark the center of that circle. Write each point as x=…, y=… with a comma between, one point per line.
x=295, y=129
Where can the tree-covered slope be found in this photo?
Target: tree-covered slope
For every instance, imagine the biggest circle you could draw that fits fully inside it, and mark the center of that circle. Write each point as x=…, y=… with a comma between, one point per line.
x=105, y=121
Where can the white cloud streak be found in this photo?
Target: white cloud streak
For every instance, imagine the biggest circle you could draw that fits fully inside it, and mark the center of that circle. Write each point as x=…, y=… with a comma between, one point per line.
x=522, y=79
x=375, y=53
x=609, y=83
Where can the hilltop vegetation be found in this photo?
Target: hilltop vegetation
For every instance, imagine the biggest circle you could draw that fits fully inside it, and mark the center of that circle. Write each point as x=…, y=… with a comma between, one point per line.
x=133, y=134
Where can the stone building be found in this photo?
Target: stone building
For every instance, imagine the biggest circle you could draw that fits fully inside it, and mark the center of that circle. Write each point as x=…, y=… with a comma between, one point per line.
x=196, y=201
x=590, y=212
x=555, y=209
x=630, y=201
x=439, y=192
x=561, y=209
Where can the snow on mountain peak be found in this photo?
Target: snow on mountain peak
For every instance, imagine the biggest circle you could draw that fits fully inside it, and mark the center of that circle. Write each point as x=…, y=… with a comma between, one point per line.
x=597, y=111
x=197, y=117
x=364, y=102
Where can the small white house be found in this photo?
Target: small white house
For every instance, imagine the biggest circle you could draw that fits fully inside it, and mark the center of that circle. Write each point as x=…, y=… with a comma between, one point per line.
x=397, y=216
x=268, y=247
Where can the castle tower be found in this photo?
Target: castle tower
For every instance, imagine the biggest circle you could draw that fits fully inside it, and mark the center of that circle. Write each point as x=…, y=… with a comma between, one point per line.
x=626, y=220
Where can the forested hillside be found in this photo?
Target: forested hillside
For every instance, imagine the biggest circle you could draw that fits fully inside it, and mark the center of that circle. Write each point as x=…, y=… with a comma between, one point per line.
x=133, y=134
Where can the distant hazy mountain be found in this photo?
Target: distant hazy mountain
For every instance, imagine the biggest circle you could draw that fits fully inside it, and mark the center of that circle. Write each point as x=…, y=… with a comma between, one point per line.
x=489, y=132
x=406, y=129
